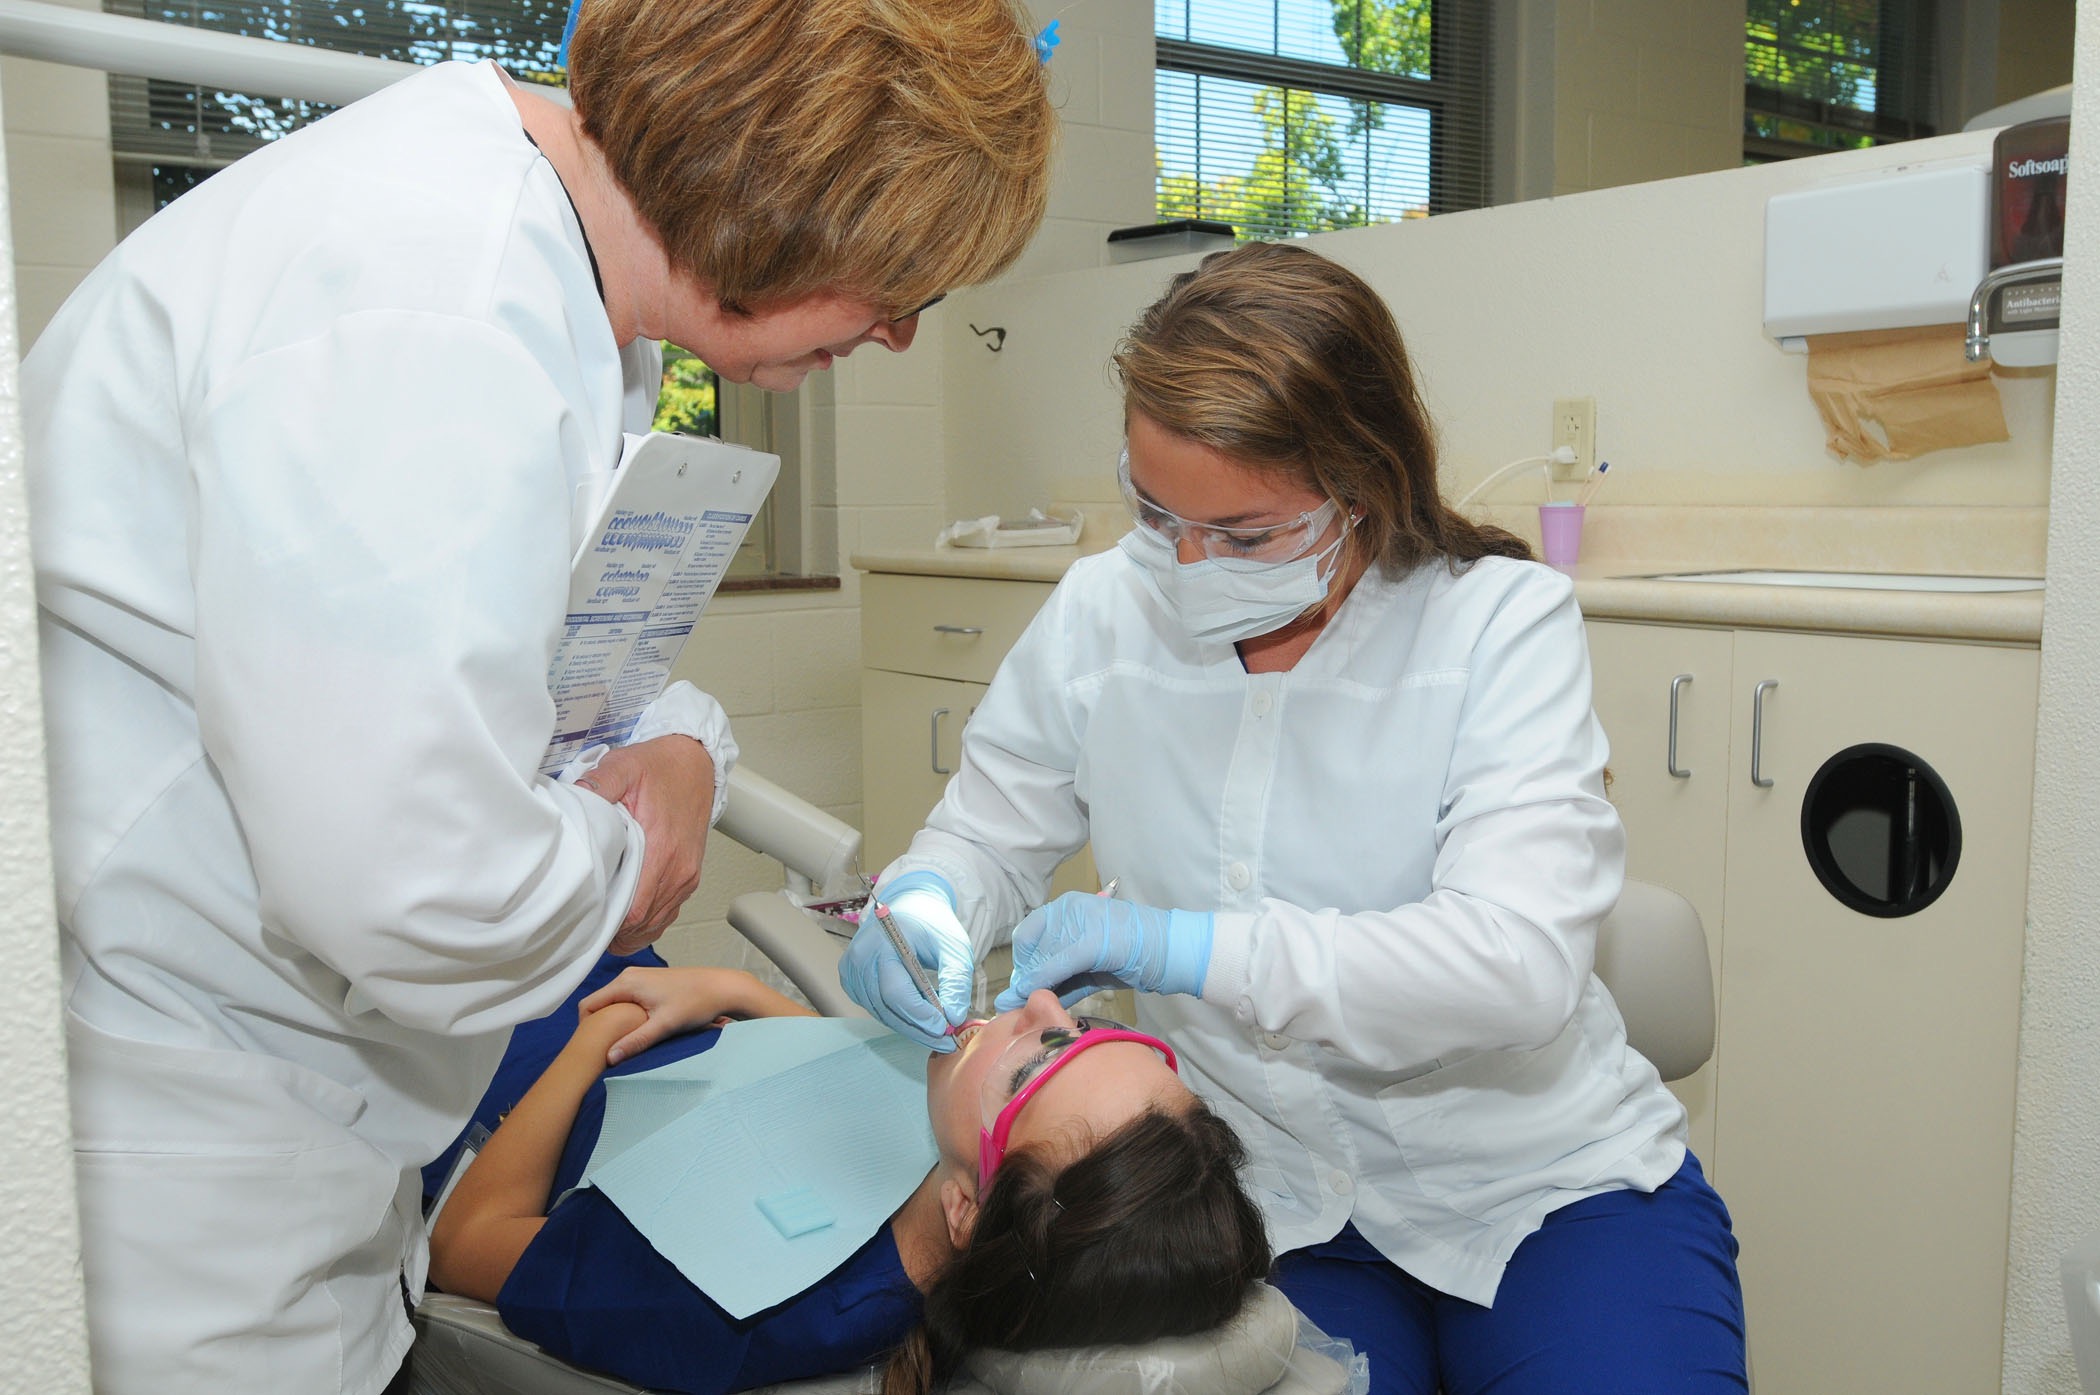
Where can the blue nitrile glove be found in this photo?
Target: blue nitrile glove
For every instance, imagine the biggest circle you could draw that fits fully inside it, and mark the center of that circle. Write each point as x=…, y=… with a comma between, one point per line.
x=923, y=905
x=1089, y=939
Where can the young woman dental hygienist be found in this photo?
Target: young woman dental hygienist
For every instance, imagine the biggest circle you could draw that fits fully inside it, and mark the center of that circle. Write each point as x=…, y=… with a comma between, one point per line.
x=304, y=457
x=1335, y=744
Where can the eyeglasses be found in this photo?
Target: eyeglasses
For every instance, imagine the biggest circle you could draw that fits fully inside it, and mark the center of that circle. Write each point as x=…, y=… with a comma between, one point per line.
x=1026, y=1064
x=914, y=314
x=1270, y=542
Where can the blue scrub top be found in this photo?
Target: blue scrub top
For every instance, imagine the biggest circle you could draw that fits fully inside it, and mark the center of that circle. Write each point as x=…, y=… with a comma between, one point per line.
x=533, y=1047
x=591, y=1290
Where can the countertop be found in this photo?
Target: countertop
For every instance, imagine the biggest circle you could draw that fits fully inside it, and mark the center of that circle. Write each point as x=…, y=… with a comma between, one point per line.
x=1624, y=546
x=990, y=563
x=2007, y=617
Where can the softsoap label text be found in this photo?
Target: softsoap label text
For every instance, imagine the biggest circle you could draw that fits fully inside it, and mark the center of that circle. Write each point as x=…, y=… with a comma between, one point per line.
x=2030, y=167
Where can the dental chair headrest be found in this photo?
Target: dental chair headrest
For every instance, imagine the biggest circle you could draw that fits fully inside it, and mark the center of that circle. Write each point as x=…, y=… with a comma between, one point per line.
x=1258, y=1353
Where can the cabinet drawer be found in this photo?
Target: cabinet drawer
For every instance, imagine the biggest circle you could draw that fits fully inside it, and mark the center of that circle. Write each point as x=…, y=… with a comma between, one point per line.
x=944, y=627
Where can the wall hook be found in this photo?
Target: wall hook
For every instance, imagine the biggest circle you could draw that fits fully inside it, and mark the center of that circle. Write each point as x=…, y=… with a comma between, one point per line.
x=997, y=334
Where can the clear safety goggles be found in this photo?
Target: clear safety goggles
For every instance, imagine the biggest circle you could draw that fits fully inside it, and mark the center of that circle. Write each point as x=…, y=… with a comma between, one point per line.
x=1270, y=542
x=1022, y=1068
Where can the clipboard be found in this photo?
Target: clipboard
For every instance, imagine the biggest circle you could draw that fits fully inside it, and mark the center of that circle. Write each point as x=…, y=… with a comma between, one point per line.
x=656, y=549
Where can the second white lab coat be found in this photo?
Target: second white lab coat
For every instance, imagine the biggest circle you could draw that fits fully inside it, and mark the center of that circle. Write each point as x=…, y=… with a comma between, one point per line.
x=1407, y=845
x=306, y=457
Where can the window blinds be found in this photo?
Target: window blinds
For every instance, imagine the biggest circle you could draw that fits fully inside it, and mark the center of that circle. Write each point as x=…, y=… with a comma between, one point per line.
x=158, y=122
x=1292, y=116
x=1837, y=74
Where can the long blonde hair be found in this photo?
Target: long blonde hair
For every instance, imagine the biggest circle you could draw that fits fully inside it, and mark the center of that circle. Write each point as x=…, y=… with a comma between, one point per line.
x=1287, y=362
x=889, y=149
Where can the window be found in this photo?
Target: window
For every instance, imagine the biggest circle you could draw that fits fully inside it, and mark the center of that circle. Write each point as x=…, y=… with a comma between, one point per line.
x=170, y=123
x=1284, y=117
x=1836, y=75
x=694, y=402
x=168, y=137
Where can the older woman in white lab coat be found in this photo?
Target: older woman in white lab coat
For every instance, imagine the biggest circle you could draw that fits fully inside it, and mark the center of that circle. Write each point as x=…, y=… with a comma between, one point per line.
x=1335, y=745
x=304, y=454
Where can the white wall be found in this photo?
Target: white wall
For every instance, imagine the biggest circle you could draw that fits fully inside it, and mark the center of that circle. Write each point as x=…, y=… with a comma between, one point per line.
x=2056, y=1143
x=42, y=1326
x=1647, y=297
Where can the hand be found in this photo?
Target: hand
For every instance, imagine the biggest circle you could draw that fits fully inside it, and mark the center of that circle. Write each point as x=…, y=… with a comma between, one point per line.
x=1090, y=938
x=684, y=999
x=923, y=906
x=597, y=1027
x=668, y=784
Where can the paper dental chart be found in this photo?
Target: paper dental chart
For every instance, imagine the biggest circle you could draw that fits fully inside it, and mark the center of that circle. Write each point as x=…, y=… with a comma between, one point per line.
x=658, y=547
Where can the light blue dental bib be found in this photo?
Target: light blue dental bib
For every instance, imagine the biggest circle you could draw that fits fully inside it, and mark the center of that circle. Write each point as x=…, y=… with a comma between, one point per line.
x=760, y=1165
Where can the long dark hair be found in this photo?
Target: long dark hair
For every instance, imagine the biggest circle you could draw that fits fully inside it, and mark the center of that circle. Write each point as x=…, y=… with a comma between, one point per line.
x=1148, y=1235
x=1284, y=361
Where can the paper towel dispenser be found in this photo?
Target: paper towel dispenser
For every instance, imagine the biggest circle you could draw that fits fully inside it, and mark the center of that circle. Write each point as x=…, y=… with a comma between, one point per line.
x=1888, y=250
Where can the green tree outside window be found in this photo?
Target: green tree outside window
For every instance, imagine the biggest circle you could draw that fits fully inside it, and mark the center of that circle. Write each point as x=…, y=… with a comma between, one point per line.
x=1836, y=75
x=1302, y=178
x=686, y=406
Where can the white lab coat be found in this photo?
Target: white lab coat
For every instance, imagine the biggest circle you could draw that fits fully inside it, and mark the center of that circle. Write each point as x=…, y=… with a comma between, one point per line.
x=1407, y=844
x=305, y=454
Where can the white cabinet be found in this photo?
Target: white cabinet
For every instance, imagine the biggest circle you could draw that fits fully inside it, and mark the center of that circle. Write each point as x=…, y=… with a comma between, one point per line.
x=929, y=646
x=911, y=736
x=1859, y=1108
x=1673, y=823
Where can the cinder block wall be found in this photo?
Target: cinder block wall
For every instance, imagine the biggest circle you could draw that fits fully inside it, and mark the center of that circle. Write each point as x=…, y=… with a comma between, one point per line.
x=43, y=1327
x=1645, y=89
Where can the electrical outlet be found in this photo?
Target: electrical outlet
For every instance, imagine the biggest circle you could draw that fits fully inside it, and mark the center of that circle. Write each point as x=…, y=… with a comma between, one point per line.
x=1575, y=424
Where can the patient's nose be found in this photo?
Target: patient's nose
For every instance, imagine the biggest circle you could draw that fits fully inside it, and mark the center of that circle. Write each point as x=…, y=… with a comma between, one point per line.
x=1044, y=1010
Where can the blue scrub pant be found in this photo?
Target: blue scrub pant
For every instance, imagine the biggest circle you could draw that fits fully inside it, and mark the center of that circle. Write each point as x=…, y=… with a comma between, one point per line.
x=1620, y=1294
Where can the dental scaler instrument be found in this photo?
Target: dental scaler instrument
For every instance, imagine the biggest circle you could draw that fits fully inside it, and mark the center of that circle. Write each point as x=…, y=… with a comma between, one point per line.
x=920, y=979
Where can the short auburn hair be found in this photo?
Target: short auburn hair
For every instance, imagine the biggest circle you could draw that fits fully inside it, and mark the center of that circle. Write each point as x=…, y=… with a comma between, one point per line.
x=890, y=150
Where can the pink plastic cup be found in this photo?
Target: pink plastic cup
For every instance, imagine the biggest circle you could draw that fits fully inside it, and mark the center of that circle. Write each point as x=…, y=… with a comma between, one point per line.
x=1560, y=533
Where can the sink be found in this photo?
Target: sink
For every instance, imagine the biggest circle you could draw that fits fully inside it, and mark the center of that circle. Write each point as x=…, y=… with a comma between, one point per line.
x=1856, y=581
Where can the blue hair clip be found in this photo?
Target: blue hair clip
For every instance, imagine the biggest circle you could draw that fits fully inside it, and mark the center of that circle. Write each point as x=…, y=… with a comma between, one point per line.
x=568, y=32
x=1045, y=42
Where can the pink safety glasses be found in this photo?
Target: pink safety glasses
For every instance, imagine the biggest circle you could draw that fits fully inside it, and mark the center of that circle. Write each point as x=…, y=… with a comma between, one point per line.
x=1033, y=1061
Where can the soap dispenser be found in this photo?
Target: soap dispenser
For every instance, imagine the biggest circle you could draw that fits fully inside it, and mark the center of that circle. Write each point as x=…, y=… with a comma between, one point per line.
x=2013, y=315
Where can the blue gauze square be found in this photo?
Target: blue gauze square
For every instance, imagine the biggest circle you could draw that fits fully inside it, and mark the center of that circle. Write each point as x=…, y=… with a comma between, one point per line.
x=796, y=1212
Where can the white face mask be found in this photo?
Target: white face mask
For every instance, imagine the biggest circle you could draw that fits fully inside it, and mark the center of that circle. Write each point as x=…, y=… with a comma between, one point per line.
x=1225, y=601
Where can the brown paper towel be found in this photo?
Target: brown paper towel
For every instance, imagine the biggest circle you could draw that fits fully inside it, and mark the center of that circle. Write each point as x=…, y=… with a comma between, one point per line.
x=1913, y=384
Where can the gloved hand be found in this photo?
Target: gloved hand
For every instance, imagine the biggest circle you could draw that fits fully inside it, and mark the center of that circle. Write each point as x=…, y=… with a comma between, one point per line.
x=923, y=906
x=1093, y=939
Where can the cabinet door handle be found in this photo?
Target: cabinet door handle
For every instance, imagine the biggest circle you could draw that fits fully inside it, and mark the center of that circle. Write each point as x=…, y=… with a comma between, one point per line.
x=1676, y=684
x=958, y=629
x=1757, y=732
x=934, y=743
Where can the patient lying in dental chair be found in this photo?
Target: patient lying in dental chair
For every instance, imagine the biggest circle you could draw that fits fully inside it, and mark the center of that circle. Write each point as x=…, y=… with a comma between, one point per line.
x=1078, y=1194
